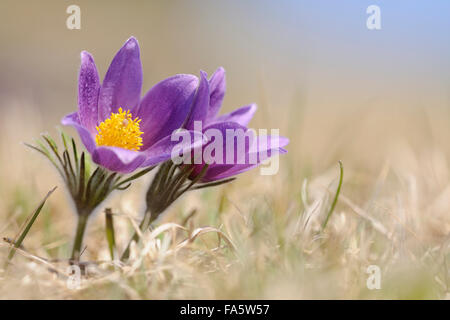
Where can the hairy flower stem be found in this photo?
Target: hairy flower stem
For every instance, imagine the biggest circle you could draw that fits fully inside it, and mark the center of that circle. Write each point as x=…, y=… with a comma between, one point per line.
x=86, y=188
x=78, y=242
x=170, y=182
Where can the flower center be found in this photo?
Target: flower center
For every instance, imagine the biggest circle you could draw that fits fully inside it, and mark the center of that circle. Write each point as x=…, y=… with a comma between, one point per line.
x=120, y=130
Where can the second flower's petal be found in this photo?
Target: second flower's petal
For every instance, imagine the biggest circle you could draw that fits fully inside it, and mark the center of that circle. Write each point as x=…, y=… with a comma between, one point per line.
x=240, y=152
x=242, y=115
x=122, y=85
x=164, y=149
x=268, y=146
x=226, y=171
x=218, y=131
x=200, y=106
x=118, y=159
x=85, y=136
x=88, y=88
x=217, y=87
x=165, y=107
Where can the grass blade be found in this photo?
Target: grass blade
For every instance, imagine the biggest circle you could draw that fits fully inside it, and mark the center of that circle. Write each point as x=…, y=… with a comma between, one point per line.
x=28, y=225
x=336, y=196
x=110, y=235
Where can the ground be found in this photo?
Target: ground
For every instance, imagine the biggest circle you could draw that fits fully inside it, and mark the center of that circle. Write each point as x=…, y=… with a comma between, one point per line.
x=259, y=237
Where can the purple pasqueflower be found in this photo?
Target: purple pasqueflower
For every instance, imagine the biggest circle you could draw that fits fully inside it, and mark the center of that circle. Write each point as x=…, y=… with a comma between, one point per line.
x=121, y=131
x=205, y=109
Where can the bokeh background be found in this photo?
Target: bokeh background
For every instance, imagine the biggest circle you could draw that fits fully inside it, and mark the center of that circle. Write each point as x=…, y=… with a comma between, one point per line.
x=287, y=56
x=377, y=100
x=274, y=52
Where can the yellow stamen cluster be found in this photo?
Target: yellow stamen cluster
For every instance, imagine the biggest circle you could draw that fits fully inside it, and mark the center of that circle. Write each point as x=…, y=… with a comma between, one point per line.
x=120, y=130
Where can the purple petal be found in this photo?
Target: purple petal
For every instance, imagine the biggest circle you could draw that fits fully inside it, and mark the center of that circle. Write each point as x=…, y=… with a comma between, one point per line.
x=200, y=105
x=242, y=115
x=210, y=132
x=88, y=88
x=165, y=107
x=223, y=172
x=236, y=157
x=86, y=137
x=217, y=87
x=121, y=87
x=162, y=150
x=118, y=159
x=264, y=148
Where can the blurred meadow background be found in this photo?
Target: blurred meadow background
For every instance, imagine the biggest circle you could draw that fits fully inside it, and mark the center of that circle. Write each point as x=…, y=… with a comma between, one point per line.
x=379, y=101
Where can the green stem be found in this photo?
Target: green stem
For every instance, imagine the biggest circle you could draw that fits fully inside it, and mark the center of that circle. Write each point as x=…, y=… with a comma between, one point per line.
x=81, y=228
x=163, y=191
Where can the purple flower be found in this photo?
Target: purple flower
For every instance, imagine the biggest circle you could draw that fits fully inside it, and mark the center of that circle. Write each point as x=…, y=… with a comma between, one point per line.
x=206, y=106
x=121, y=131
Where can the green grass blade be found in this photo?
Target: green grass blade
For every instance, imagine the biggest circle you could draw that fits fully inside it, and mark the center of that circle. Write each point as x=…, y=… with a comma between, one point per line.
x=110, y=235
x=336, y=196
x=29, y=224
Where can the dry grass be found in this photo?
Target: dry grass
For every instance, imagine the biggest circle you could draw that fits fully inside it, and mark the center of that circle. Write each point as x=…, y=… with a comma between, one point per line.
x=260, y=236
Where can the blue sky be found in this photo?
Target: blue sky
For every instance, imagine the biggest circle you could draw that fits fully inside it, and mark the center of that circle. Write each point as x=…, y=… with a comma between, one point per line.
x=276, y=49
